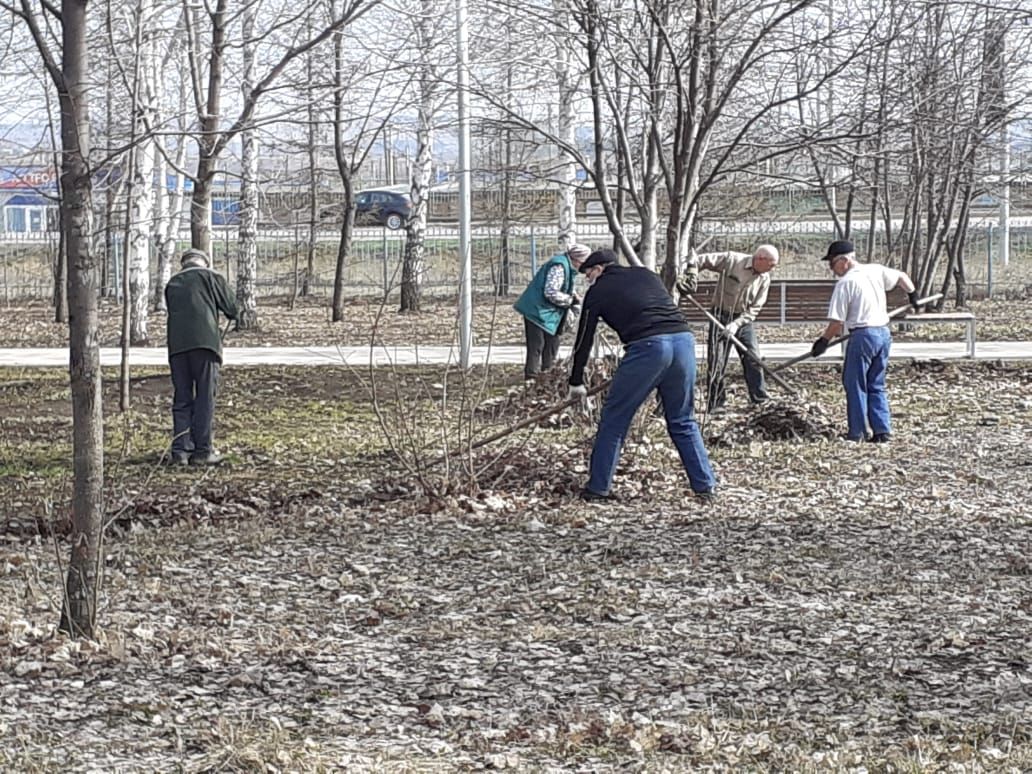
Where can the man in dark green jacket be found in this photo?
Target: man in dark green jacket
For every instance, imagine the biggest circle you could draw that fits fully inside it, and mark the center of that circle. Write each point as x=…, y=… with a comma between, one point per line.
x=194, y=297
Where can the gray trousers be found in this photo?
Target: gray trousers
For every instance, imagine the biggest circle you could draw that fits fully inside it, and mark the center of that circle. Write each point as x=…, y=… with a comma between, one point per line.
x=542, y=349
x=195, y=378
x=718, y=349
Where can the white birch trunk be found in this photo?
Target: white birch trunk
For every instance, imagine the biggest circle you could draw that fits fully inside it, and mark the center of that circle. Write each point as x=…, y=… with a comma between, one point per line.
x=168, y=207
x=415, y=229
x=567, y=82
x=649, y=231
x=141, y=208
x=141, y=214
x=247, y=257
x=168, y=220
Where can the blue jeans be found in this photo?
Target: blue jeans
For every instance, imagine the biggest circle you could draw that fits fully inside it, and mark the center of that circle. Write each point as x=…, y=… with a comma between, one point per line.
x=863, y=377
x=666, y=363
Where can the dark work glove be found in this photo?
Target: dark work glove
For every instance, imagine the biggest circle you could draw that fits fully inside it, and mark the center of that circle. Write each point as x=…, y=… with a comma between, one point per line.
x=913, y=297
x=689, y=281
x=819, y=347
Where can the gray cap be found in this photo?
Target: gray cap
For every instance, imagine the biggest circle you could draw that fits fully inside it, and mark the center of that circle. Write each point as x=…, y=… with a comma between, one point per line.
x=194, y=257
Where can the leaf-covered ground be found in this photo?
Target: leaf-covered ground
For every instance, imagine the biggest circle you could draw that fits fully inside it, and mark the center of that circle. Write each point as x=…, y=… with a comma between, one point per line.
x=307, y=607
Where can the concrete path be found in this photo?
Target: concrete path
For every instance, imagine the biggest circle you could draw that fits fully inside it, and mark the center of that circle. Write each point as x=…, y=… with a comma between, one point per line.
x=408, y=355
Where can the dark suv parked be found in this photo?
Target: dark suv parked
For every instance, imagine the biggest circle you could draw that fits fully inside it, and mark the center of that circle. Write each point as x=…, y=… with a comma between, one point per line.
x=387, y=208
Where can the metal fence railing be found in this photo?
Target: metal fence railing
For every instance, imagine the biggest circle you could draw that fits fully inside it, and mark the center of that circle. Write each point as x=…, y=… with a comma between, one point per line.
x=374, y=264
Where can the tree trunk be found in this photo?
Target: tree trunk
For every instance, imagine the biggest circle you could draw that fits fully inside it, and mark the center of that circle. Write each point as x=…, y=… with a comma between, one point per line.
x=565, y=131
x=200, y=207
x=170, y=211
x=313, y=182
x=415, y=227
x=60, y=298
x=247, y=258
x=503, y=280
x=343, y=249
x=109, y=188
x=207, y=150
x=345, y=169
x=61, y=273
x=78, y=615
x=166, y=225
x=142, y=213
x=141, y=202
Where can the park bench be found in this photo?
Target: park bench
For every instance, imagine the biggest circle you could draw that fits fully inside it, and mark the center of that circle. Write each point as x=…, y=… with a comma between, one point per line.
x=805, y=302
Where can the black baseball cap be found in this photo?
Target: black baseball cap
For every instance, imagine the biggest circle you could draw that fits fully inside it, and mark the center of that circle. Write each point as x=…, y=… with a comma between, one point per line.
x=597, y=258
x=837, y=248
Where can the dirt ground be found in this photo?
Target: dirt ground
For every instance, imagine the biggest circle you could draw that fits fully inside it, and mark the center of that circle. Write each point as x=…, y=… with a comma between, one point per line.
x=321, y=603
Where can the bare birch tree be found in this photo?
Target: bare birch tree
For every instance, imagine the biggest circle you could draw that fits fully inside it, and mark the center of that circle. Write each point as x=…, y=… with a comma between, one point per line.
x=247, y=257
x=568, y=79
x=141, y=205
x=428, y=84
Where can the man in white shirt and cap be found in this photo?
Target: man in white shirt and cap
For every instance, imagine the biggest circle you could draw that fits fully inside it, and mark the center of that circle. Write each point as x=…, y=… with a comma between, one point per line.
x=859, y=308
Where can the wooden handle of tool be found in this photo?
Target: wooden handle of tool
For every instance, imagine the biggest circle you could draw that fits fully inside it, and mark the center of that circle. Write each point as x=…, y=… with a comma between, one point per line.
x=525, y=422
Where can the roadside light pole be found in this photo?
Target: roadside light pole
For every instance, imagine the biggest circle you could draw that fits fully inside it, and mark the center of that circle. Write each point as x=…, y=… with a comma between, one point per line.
x=465, y=196
x=1005, y=194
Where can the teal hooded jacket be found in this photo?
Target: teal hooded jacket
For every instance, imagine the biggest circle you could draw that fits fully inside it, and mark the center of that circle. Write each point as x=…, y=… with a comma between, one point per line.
x=533, y=305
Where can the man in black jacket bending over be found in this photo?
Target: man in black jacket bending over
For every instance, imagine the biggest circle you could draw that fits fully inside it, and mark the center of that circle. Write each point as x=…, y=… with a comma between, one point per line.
x=659, y=354
x=194, y=297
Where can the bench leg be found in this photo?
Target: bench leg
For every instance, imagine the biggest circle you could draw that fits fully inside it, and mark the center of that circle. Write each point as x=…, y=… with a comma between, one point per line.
x=971, y=339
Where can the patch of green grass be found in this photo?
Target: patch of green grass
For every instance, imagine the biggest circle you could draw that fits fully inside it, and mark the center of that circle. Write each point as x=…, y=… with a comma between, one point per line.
x=34, y=467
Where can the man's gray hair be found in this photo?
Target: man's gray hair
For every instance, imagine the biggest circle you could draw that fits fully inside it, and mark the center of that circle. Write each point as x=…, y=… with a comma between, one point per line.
x=195, y=257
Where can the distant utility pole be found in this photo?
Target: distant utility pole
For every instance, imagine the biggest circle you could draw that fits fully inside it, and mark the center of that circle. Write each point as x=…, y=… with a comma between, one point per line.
x=465, y=196
x=1005, y=171
x=1005, y=191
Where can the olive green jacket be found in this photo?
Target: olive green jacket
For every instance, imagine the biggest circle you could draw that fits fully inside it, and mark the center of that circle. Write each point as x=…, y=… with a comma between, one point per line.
x=741, y=291
x=194, y=297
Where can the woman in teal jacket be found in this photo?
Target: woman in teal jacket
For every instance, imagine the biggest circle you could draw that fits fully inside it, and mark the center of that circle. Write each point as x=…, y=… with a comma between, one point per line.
x=545, y=303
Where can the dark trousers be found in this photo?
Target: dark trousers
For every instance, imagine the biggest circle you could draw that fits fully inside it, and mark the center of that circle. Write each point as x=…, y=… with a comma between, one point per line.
x=718, y=350
x=542, y=349
x=195, y=378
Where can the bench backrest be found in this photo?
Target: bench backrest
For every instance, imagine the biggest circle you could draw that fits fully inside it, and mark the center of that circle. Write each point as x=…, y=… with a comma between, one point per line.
x=789, y=301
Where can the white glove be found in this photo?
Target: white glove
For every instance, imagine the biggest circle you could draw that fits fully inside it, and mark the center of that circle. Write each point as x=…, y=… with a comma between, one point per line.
x=578, y=391
x=732, y=328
